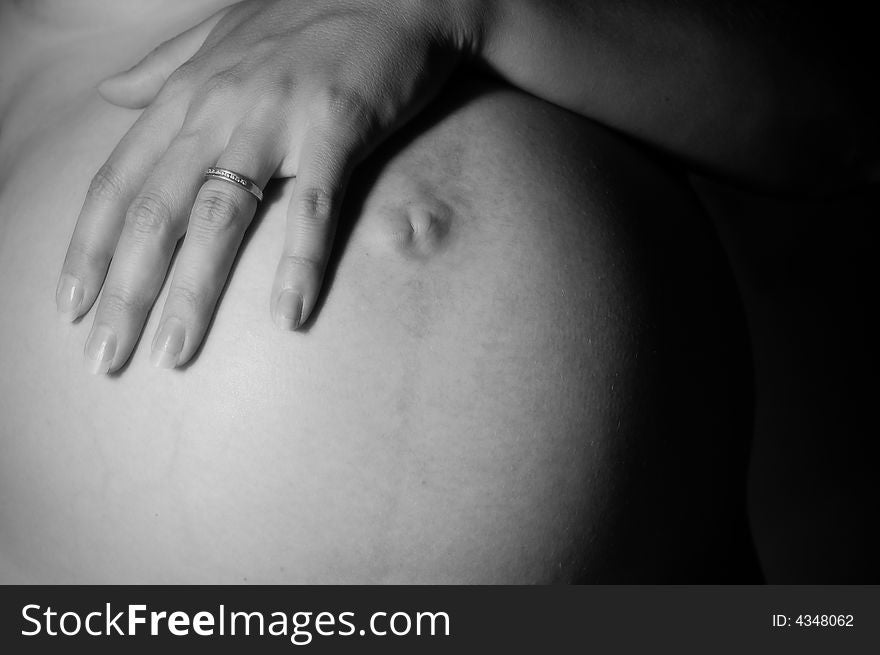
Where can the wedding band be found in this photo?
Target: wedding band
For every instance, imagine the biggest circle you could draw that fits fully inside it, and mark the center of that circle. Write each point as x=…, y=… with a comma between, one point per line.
x=245, y=183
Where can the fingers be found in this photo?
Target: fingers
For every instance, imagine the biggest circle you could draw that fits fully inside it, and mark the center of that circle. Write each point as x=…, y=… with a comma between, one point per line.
x=101, y=219
x=154, y=223
x=325, y=162
x=220, y=216
x=138, y=86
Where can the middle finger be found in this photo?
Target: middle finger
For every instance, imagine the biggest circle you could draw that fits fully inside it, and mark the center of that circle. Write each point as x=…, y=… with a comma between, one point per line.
x=154, y=223
x=222, y=212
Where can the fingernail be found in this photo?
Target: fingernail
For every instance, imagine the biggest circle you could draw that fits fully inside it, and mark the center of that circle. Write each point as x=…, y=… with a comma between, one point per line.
x=100, y=349
x=168, y=344
x=288, y=310
x=69, y=296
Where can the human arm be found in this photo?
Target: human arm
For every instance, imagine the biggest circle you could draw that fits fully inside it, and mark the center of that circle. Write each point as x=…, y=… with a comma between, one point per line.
x=772, y=94
x=296, y=88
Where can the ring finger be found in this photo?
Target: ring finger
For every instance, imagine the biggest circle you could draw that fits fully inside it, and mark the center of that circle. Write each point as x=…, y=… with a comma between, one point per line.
x=222, y=212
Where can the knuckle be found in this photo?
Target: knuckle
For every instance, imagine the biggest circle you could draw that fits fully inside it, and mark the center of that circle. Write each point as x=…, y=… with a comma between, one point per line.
x=216, y=211
x=224, y=82
x=267, y=110
x=350, y=117
x=265, y=49
x=149, y=213
x=344, y=105
x=213, y=98
x=117, y=302
x=360, y=107
x=187, y=298
x=299, y=262
x=107, y=183
x=315, y=205
x=346, y=119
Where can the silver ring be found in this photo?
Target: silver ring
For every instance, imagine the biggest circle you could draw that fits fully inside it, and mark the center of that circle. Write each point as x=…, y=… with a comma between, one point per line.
x=245, y=183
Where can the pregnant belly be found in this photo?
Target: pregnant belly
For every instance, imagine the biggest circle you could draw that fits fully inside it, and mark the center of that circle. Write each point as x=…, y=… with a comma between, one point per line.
x=468, y=404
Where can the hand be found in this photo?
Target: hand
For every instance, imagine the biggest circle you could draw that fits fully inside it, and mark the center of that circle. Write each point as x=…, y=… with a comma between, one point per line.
x=263, y=88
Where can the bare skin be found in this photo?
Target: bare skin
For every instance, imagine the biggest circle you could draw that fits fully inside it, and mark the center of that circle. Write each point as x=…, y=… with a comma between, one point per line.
x=274, y=88
x=511, y=379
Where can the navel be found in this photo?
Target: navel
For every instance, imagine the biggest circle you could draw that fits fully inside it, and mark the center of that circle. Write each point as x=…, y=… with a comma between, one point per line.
x=420, y=229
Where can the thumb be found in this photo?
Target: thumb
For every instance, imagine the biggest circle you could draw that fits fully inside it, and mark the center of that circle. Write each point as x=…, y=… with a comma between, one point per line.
x=138, y=86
